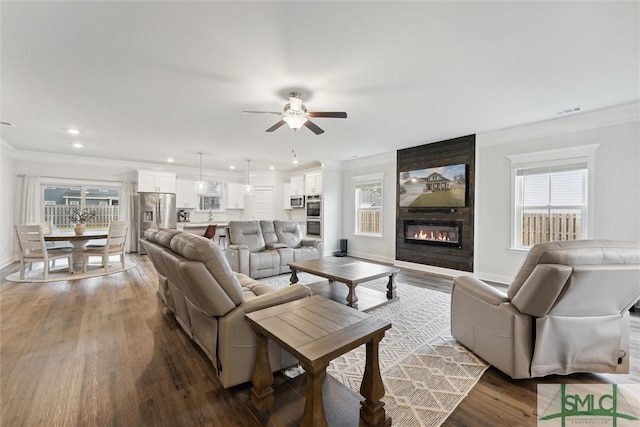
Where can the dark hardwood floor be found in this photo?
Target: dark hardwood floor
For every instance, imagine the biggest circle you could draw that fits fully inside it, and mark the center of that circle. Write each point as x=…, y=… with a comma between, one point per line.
x=103, y=351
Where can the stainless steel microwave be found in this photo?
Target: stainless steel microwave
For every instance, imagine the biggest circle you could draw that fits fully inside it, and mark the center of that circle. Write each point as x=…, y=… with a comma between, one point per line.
x=297, y=201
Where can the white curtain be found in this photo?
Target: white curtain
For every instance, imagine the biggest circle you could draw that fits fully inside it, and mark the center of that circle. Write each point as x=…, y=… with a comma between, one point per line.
x=31, y=200
x=127, y=213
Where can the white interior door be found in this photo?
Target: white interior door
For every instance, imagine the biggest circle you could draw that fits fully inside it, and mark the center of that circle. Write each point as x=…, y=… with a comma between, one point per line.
x=263, y=203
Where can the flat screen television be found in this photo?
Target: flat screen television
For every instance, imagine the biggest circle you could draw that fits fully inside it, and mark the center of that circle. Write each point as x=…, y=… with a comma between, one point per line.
x=439, y=187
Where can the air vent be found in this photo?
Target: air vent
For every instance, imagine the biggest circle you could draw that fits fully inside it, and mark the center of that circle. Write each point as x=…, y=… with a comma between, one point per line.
x=568, y=111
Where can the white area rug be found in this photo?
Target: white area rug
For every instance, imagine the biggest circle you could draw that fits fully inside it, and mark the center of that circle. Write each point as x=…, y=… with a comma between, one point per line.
x=426, y=373
x=61, y=273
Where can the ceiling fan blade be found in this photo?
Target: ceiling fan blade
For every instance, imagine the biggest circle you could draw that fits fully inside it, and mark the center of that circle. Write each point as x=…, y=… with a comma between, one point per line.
x=333, y=114
x=313, y=127
x=276, y=126
x=261, y=112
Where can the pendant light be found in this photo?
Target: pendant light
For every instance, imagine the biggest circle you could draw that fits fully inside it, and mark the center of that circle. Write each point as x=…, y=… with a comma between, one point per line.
x=248, y=188
x=201, y=185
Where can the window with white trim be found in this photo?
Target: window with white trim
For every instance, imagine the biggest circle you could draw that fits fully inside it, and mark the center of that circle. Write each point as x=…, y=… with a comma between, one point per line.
x=550, y=198
x=368, y=196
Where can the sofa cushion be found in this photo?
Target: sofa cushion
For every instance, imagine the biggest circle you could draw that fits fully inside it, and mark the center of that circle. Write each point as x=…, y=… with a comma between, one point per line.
x=204, y=251
x=247, y=233
x=288, y=233
x=269, y=233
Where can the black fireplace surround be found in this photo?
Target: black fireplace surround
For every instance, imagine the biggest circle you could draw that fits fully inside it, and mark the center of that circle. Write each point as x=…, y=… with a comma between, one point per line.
x=433, y=233
x=450, y=243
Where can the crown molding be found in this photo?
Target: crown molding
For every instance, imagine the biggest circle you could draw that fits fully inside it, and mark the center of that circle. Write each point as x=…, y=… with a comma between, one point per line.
x=8, y=147
x=561, y=125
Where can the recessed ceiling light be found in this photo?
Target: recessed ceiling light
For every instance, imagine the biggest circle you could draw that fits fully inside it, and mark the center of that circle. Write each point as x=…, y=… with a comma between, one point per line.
x=232, y=167
x=72, y=131
x=272, y=167
x=78, y=145
x=6, y=123
x=170, y=159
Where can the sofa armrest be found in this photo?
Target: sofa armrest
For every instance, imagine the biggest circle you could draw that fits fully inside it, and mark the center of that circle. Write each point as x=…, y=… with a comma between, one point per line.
x=481, y=290
x=310, y=241
x=289, y=293
x=238, y=258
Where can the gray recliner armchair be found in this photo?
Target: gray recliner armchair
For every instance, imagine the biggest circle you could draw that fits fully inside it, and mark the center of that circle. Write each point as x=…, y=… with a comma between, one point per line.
x=566, y=311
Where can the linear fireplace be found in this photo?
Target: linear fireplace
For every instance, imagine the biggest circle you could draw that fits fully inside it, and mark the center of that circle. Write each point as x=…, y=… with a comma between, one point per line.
x=433, y=233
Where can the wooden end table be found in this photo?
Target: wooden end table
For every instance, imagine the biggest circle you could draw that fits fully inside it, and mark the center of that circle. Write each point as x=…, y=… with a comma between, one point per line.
x=317, y=330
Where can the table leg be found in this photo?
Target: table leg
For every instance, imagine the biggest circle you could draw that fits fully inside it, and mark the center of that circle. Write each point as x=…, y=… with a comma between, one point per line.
x=294, y=276
x=314, y=415
x=391, y=287
x=372, y=389
x=262, y=377
x=78, y=248
x=352, y=298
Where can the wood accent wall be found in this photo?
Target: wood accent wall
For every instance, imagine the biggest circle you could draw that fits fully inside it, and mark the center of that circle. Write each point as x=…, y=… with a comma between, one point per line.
x=443, y=153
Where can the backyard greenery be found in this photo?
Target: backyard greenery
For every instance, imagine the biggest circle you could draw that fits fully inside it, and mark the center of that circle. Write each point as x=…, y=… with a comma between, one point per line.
x=453, y=197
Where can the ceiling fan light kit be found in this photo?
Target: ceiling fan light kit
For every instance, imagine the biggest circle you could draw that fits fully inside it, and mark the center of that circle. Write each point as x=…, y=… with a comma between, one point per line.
x=295, y=114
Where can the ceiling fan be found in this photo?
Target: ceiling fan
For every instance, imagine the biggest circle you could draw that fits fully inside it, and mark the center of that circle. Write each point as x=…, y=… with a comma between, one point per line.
x=295, y=114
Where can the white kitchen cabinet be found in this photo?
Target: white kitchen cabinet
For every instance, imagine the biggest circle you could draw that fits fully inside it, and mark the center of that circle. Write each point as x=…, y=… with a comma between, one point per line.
x=235, y=196
x=313, y=183
x=156, y=182
x=297, y=185
x=287, y=195
x=186, y=197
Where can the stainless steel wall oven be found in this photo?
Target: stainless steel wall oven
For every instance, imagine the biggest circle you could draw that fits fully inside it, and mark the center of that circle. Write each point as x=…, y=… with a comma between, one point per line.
x=314, y=207
x=313, y=227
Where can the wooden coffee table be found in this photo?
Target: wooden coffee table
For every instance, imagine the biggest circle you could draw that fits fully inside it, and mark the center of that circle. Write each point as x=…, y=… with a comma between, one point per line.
x=351, y=272
x=316, y=330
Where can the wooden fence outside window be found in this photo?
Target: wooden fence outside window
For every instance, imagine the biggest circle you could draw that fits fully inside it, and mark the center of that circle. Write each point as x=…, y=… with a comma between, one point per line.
x=60, y=215
x=370, y=221
x=545, y=227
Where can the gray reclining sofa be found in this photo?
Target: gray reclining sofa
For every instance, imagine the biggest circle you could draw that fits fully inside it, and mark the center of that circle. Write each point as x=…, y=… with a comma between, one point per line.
x=210, y=301
x=265, y=248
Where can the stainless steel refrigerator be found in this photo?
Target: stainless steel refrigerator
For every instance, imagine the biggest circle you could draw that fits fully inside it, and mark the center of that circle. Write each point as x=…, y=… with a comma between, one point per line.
x=155, y=210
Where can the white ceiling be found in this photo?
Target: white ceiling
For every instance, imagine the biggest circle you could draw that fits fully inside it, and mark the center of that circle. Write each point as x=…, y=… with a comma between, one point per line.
x=145, y=81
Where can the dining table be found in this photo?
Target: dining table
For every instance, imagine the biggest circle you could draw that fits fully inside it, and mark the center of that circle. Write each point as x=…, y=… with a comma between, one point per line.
x=78, y=241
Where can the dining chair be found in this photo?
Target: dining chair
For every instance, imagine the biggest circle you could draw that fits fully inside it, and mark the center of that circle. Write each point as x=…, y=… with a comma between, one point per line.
x=210, y=232
x=33, y=248
x=115, y=245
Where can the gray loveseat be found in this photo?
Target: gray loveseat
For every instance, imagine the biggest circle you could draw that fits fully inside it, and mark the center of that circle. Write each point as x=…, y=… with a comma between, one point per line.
x=210, y=301
x=265, y=248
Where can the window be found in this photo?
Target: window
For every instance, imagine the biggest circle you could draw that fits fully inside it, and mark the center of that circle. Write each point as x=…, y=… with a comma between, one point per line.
x=210, y=196
x=550, y=200
x=60, y=200
x=368, y=205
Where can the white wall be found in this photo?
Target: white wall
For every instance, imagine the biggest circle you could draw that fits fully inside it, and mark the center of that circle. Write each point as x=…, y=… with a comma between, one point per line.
x=616, y=192
x=375, y=248
x=7, y=201
x=331, y=207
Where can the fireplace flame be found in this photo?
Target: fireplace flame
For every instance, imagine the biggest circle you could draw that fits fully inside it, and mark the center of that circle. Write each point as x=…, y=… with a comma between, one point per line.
x=437, y=236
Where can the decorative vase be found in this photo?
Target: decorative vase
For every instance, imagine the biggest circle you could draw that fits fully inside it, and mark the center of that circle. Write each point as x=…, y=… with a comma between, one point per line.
x=80, y=228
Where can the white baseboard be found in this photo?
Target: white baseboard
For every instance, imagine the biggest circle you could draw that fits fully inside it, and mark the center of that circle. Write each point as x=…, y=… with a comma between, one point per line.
x=364, y=255
x=6, y=262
